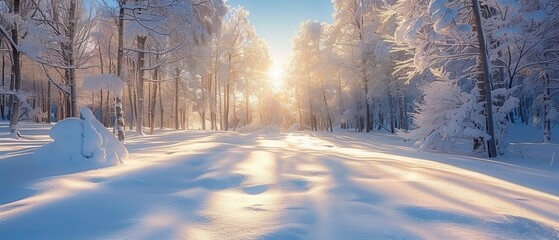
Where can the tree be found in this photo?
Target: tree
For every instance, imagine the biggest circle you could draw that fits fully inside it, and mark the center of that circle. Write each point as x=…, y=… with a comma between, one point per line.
x=10, y=28
x=306, y=74
x=485, y=83
x=441, y=36
x=236, y=34
x=253, y=72
x=119, y=71
x=353, y=22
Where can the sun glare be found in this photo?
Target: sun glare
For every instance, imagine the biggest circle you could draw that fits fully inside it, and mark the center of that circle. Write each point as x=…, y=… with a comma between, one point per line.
x=276, y=76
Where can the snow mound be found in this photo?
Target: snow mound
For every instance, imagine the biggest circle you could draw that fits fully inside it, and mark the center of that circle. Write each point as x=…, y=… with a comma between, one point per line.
x=82, y=143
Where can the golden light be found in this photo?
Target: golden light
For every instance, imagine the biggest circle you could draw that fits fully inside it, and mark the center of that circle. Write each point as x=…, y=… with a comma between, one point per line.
x=276, y=73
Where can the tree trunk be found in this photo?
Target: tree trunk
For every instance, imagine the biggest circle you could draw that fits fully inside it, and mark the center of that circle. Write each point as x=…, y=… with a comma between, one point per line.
x=161, y=108
x=61, y=104
x=141, y=42
x=227, y=98
x=108, y=110
x=328, y=118
x=235, y=121
x=92, y=100
x=119, y=62
x=341, y=103
x=311, y=109
x=298, y=108
x=485, y=83
x=213, y=90
x=203, y=119
x=34, y=101
x=220, y=106
x=368, y=119
x=184, y=121
x=149, y=105
x=131, y=101
x=16, y=75
x=380, y=121
x=247, y=103
x=153, y=102
x=327, y=111
x=49, y=112
x=132, y=96
x=2, y=97
x=211, y=101
x=101, y=109
x=392, y=114
x=70, y=60
x=177, y=79
x=546, y=110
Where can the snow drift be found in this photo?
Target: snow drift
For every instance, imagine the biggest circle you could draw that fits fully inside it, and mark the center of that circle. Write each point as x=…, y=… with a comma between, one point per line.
x=81, y=143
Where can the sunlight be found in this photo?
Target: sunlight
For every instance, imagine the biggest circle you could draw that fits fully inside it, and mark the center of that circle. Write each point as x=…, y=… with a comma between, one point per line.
x=276, y=77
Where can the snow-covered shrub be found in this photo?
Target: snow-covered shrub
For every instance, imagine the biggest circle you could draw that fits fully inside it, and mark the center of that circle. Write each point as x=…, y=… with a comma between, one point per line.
x=27, y=111
x=446, y=114
x=81, y=143
x=506, y=104
x=449, y=113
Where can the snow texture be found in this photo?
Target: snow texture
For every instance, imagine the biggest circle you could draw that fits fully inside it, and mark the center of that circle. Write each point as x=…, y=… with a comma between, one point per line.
x=303, y=185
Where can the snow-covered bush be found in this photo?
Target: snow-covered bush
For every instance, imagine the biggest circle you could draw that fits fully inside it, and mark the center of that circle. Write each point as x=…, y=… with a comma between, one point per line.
x=449, y=113
x=446, y=114
x=83, y=143
x=506, y=104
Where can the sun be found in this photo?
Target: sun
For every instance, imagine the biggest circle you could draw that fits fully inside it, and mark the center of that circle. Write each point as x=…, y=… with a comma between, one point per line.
x=276, y=77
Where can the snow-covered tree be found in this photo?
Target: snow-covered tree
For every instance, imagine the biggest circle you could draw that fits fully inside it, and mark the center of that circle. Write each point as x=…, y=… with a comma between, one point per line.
x=468, y=39
x=236, y=35
x=306, y=73
x=19, y=30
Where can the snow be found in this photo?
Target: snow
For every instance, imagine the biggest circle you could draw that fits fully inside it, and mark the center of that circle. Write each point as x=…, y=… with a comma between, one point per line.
x=80, y=144
x=511, y=6
x=526, y=144
x=300, y=185
x=382, y=51
x=443, y=17
x=413, y=29
x=536, y=16
x=259, y=129
x=508, y=33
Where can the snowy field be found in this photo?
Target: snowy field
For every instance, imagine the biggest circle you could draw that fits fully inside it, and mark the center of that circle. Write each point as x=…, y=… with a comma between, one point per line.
x=224, y=185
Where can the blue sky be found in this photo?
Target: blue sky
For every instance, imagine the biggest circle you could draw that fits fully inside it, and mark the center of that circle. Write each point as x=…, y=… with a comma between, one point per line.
x=278, y=20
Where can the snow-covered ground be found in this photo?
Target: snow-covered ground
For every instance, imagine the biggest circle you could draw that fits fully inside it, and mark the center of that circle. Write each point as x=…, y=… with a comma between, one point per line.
x=223, y=185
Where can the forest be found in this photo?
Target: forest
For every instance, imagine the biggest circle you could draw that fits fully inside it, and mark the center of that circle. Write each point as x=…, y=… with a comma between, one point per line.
x=437, y=72
x=178, y=119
